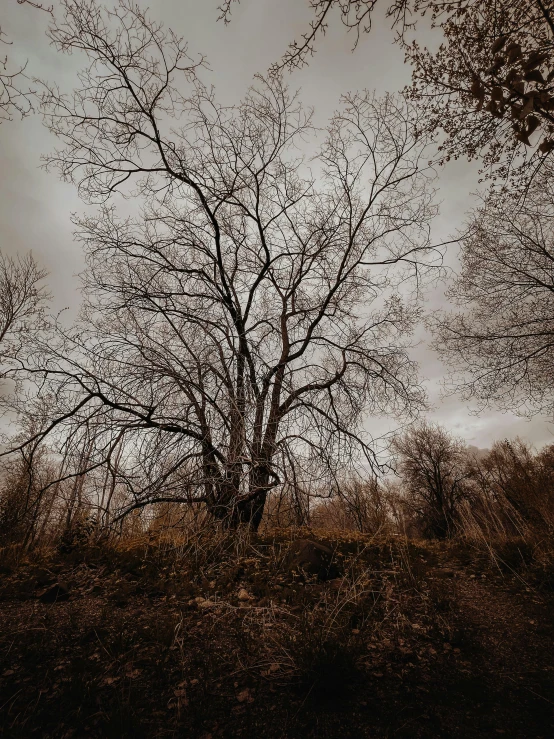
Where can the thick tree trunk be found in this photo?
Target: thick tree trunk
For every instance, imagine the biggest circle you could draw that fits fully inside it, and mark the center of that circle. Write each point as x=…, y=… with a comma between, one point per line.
x=233, y=512
x=259, y=488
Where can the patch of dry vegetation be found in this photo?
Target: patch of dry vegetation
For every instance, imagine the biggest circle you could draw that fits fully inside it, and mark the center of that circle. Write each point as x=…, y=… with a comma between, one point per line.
x=215, y=636
x=169, y=624
x=188, y=631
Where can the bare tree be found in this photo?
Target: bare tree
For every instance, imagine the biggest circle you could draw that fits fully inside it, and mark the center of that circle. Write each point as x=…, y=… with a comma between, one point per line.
x=514, y=489
x=434, y=471
x=12, y=98
x=22, y=302
x=249, y=315
x=500, y=344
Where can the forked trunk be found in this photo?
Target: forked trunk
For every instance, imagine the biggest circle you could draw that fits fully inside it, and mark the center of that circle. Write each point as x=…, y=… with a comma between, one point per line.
x=233, y=509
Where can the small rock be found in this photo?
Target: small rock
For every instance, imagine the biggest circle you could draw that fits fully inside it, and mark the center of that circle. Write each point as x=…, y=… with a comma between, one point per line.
x=244, y=595
x=244, y=696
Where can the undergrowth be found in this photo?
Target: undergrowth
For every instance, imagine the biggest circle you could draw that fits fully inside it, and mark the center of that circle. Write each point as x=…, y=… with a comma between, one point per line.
x=171, y=634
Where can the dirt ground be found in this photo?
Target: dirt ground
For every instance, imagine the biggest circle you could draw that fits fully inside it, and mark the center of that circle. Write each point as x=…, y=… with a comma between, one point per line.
x=409, y=642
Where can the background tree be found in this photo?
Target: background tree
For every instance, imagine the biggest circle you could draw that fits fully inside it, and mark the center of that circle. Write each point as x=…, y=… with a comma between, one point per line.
x=249, y=313
x=521, y=482
x=490, y=85
x=513, y=494
x=23, y=298
x=435, y=474
x=358, y=505
x=26, y=499
x=500, y=344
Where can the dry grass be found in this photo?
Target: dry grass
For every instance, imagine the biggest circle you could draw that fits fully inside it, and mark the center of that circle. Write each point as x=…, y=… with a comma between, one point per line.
x=206, y=633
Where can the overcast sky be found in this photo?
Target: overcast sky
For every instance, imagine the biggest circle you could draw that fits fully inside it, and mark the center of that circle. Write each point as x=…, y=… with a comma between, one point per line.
x=35, y=207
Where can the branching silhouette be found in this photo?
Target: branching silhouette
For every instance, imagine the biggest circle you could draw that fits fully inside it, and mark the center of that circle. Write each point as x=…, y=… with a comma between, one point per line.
x=500, y=344
x=249, y=315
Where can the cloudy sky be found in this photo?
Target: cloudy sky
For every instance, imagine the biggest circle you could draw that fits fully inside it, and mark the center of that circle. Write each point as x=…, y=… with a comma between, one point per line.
x=35, y=207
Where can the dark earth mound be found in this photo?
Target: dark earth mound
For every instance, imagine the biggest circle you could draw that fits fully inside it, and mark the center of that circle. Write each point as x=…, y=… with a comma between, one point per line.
x=411, y=641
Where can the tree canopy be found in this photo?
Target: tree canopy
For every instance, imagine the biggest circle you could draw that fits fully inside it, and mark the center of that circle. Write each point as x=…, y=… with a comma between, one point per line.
x=245, y=317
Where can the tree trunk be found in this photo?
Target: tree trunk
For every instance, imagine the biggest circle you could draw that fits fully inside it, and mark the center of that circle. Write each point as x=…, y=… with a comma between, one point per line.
x=231, y=511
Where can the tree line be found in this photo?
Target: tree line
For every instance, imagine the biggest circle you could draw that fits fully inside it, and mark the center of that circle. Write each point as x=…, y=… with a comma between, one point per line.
x=441, y=489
